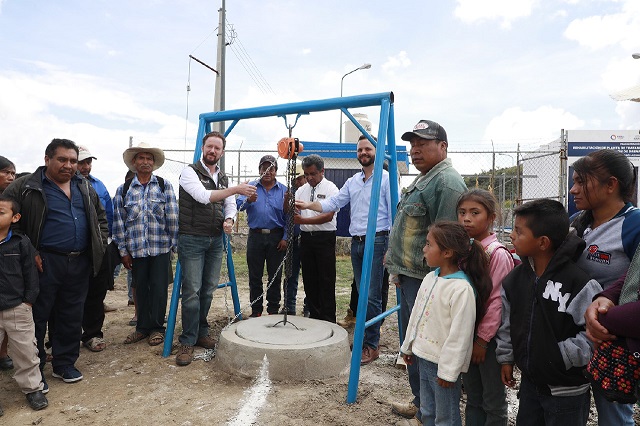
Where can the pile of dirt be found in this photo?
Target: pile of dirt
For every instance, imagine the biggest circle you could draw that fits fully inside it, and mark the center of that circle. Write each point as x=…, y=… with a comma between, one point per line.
x=135, y=385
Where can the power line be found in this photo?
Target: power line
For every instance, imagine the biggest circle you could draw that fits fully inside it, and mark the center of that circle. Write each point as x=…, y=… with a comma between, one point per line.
x=246, y=61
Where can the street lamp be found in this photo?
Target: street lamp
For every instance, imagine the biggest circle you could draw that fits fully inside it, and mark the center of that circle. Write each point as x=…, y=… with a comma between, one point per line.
x=361, y=67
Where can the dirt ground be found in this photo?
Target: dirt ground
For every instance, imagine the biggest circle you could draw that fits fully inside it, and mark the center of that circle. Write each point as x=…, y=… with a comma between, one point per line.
x=135, y=385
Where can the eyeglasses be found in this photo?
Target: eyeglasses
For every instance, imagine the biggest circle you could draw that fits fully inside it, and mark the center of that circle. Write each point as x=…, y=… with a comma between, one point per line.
x=313, y=192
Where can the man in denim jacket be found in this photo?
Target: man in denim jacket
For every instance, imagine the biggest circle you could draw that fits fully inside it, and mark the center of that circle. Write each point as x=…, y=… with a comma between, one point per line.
x=431, y=196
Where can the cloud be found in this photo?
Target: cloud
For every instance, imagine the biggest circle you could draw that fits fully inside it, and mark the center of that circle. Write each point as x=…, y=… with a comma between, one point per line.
x=470, y=11
x=539, y=126
x=306, y=51
x=629, y=113
x=599, y=31
x=401, y=60
x=621, y=73
x=53, y=103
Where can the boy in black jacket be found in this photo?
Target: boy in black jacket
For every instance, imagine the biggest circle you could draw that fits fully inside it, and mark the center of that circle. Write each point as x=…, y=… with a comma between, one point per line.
x=18, y=291
x=543, y=327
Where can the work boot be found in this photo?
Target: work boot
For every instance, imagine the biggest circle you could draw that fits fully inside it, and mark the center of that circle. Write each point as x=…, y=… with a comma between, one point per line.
x=185, y=355
x=206, y=342
x=405, y=409
x=348, y=321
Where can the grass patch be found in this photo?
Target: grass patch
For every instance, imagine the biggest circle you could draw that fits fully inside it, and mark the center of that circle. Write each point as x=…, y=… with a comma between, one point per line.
x=344, y=276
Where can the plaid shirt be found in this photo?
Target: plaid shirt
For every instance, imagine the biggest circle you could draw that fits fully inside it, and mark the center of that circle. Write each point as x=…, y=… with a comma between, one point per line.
x=146, y=223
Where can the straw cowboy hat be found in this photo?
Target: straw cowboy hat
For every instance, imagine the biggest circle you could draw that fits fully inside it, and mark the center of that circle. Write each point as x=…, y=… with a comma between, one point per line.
x=129, y=154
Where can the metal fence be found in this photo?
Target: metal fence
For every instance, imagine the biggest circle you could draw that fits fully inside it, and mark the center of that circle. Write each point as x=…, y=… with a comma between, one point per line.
x=513, y=177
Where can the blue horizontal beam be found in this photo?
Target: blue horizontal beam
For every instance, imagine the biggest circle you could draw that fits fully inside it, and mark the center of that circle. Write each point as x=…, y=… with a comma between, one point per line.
x=298, y=107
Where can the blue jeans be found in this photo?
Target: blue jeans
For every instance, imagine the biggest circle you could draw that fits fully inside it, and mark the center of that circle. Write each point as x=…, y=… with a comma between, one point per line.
x=438, y=405
x=374, y=304
x=200, y=259
x=409, y=287
x=612, y=413
x=538, y=408
x=486, y=396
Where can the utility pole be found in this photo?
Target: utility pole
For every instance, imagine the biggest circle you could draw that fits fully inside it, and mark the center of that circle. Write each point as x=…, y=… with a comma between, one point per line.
x=218, y=101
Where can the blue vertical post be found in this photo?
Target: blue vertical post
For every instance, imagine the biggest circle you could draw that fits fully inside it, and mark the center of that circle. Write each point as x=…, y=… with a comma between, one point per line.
x=231, y=270
x=395, y=197
x=363, y=291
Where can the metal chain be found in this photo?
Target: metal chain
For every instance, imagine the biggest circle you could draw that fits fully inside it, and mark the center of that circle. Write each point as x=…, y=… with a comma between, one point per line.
x=284, y=260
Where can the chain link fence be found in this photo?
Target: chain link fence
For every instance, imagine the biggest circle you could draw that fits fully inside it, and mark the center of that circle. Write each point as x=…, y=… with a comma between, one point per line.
x=513, y=177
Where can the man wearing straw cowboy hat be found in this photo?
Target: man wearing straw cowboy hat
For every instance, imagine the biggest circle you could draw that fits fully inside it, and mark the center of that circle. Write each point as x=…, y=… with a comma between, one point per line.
x=145, y=228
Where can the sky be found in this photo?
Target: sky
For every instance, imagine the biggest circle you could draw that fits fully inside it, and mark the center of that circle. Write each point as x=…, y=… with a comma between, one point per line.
x=501, y=72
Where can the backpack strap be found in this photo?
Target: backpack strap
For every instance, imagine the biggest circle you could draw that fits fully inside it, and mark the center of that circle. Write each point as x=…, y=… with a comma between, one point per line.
x=127, y=184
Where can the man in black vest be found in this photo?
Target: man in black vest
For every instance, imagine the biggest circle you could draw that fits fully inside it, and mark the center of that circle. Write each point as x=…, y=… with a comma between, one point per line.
x=207, y=207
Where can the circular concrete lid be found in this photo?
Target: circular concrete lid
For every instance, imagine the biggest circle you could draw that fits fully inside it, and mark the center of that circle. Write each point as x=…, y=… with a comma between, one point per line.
x=270, y=330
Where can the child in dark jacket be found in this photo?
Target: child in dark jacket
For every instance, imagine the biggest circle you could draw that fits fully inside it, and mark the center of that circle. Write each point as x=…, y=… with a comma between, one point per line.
x=18, y=291
x=543, y=329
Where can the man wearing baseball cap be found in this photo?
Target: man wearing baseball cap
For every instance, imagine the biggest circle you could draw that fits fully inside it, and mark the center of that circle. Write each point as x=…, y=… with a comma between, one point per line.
x=431, y=196
x=94, y=308
x=267, y=241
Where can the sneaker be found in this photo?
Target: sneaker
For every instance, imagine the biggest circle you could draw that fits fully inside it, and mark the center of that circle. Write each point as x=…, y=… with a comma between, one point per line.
x=45, y=386
x=6, y=363
x=206, y=342
x=185, y=355
x=255, y=314
x=407, y=410
x=349, y=320
x=68, y=374
x=37, y=400
x=288, y=311
x=369, y=355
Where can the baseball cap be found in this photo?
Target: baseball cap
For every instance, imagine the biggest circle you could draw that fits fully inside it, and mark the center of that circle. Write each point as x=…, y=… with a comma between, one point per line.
x=84, y=153
x=268, y=159
x=427, y=129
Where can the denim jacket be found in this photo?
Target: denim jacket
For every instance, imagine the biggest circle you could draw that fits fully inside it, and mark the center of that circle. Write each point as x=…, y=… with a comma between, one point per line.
x=430, y=197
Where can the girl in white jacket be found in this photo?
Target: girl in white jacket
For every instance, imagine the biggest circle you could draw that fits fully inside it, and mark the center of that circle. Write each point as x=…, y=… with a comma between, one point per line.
x=443, y=320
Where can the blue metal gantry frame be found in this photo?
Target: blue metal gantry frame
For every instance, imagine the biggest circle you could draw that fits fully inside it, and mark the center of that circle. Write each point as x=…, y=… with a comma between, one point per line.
x=386, y=139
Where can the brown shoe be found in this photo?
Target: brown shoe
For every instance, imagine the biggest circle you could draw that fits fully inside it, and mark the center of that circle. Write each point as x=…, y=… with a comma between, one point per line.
x=405, y=409
x=185, y=355
x=206, y=342
x=348, y=321
x=369, y=355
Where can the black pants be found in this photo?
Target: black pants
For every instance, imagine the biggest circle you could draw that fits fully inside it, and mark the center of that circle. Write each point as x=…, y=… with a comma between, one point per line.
x=353, y=301
x=151, y=275
x=262, y=248
x=318, y=259
x=63, y=289
x=93, y=317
